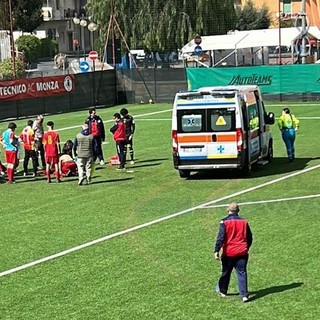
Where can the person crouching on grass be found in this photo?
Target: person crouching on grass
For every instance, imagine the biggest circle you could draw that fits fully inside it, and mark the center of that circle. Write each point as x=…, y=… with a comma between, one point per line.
x=51, y=141
x=119, y=135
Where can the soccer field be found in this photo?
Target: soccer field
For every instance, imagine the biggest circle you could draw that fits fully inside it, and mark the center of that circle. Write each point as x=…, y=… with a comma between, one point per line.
x=138, y=245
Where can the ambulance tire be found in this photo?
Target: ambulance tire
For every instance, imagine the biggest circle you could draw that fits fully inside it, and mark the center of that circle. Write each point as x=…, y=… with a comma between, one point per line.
x=269, y=156
x=246, y=169
x=184, y=174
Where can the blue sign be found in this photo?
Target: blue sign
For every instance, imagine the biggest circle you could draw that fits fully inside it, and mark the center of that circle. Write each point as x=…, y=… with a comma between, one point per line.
x=84, y=66
x=198, y=50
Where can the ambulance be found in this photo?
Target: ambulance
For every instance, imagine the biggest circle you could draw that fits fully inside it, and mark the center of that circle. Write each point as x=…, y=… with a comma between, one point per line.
x=220, y=128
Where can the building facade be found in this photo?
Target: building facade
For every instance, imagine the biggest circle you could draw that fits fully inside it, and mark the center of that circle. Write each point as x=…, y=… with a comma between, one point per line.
x=288, y=8
x=59, y=24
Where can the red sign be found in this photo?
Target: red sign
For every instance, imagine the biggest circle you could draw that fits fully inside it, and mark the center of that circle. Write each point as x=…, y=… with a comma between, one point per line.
x=36, y=87
x=93, y=55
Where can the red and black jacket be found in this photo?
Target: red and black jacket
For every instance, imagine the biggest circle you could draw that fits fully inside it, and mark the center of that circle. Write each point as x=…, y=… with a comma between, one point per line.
x=119, y=131
x=234, y=236
x=96, y=127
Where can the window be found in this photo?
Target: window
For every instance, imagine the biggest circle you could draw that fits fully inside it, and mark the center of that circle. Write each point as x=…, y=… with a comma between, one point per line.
x=253, y=117
x=287, y=7
x=222, y=119
x=191, y=123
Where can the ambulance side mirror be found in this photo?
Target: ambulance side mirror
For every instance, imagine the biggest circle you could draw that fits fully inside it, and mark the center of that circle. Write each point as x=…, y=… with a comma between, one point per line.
x=269, y=118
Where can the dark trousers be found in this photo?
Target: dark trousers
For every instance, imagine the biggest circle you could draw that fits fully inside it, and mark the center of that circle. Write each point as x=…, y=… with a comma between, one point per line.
x=129, y=145
x=27, y=155
x=97, y=148
x=120, y=145
x=40, y=151
x=240, y=265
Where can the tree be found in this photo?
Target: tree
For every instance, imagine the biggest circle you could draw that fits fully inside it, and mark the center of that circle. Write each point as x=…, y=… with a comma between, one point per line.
x=251, y=18
x=27, y=14
x=164, y=25
x=4, y=16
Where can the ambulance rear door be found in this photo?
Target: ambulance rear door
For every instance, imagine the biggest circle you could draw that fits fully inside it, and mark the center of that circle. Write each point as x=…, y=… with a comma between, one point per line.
x=206, y=130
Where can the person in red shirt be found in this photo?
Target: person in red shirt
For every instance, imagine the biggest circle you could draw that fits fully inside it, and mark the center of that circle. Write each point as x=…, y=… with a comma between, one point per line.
x=119, y=135
x=27, y=137
x=51, y=141
x=234, y=238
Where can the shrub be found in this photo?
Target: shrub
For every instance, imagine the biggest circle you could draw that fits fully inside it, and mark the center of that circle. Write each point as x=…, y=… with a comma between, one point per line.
x=49, y=48
x=6, y=69
x=30, y=46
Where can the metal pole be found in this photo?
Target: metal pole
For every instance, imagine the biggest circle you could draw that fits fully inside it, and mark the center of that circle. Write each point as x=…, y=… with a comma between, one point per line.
x=13, y=53
x=279, y=21
x=303, y=31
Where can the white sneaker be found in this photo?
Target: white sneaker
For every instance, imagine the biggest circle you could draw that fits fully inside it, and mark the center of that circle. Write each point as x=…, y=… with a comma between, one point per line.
x=131, y=162
x=101, y=163
x=219, y=292
x=245, y=299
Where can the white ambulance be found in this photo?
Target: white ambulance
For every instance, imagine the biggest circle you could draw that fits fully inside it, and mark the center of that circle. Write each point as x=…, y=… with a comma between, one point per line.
x=220, y=128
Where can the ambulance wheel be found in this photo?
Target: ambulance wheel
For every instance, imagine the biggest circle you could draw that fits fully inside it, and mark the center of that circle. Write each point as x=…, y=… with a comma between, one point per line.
x=269, y=156
x=246, y=169
x=184, y=173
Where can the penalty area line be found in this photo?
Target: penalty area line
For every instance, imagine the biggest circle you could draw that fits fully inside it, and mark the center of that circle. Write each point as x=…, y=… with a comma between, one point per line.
x=147, y=224
x=264, y=201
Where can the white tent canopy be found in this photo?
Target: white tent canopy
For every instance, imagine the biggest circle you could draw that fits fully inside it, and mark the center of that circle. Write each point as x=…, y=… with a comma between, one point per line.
x=251, y=39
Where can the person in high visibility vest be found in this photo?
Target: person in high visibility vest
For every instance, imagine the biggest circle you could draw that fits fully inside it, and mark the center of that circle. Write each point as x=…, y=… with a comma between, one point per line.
x=288, y=125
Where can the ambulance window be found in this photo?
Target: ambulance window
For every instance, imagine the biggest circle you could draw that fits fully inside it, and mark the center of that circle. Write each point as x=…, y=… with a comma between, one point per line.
x=222, y=119
x=190, y=122
x=253, y=117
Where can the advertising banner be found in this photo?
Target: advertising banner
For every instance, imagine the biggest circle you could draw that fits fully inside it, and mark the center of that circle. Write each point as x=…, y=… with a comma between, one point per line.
x=300, y=78
x=36, y=87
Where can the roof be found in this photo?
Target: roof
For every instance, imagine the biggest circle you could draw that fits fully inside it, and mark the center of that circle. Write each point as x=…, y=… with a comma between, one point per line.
x=251, y=39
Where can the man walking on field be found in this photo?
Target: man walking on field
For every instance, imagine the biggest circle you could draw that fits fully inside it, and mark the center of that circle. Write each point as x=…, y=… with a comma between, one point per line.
x=234, y=238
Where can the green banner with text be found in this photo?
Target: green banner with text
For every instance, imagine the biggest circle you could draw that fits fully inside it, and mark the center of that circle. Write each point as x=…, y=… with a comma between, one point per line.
x=302, y=78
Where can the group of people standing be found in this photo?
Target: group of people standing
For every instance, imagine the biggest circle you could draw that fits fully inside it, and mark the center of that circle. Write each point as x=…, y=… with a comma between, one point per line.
x=44, y=147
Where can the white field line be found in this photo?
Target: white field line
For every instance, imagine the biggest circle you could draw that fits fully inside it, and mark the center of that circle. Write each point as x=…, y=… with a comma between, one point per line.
x=265, y=201
x=150, y=223
x=108, y=121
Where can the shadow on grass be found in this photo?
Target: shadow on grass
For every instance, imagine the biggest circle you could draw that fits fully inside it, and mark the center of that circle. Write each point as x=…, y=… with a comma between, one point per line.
x=144, y=165
x=277, y=166
x=150, y=160
x=276, y=289
x=111, y=180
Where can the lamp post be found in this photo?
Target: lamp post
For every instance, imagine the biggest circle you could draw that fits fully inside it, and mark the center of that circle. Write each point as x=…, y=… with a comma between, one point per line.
x=92, y=27
x=82, y=23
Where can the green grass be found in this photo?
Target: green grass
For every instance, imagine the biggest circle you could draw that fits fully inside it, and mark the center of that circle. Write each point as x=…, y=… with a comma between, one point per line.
x=164, y=271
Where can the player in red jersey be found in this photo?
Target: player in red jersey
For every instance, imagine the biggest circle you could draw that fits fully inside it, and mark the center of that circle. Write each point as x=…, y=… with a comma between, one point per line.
x=51, y=141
